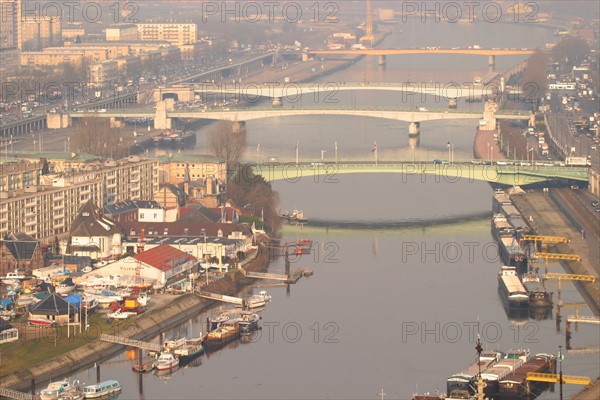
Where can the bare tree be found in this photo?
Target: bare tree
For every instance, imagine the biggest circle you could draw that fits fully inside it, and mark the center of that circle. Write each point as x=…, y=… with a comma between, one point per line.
x=95, y=136
x=533, y=82
x=227, y=141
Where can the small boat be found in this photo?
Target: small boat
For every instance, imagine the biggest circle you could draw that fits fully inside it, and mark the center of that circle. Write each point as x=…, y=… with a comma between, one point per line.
x=13, y=277
x=118, y=314
x=74, y=396
x=190, y=349
x=538, y=295
x=173, y=344
x=63, y=388
x=166, y=361
x=216, y=321
x=65, y=287
x=147, y=367
x=101, y=389
x=227, y=332
x=296, y=216
x=258, y=300
x=248, y=321
x=44, y=322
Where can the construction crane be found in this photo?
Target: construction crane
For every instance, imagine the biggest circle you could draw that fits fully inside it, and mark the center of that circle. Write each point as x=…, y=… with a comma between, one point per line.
x=544, y=240
x=369, y=36
x=138, y=267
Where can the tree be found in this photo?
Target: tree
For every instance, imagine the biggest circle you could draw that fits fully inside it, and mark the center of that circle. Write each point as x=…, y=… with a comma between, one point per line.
x=570, y=50
x=227, y=141
x=95, y=136
x=248, y=188
x=534, y=82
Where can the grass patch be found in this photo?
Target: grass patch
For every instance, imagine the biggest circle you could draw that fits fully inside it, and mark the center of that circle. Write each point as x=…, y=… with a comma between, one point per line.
x=38, y=344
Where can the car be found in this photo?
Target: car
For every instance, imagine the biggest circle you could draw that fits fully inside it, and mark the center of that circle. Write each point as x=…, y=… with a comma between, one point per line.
x=595, y=203
x=597, y=210
x=574, y=187
x=437, y=161
x=593, y=147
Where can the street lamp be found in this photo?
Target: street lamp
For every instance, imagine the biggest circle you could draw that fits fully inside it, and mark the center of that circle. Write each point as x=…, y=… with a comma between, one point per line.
x=336, y=153
x=323, y=154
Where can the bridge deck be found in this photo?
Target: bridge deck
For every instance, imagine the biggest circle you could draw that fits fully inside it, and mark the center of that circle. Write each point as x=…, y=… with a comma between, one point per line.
x=130, y=342
x=14, y=394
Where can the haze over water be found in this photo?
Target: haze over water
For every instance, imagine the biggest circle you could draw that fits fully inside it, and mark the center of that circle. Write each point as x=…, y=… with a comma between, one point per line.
x=372, y=287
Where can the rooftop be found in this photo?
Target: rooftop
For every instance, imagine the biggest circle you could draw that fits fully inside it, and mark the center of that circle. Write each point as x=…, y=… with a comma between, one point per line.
x=164, y=257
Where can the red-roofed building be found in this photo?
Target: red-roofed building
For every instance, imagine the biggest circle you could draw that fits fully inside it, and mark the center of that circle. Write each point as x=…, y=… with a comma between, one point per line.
x=163, y=265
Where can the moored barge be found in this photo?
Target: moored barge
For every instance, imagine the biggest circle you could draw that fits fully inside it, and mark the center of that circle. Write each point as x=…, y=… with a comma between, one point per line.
x=511, y=288
x=465, y=380
x=514, y=359
x=516, y=385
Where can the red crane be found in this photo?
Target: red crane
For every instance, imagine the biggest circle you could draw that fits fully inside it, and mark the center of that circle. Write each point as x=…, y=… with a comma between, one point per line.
x=138, y=268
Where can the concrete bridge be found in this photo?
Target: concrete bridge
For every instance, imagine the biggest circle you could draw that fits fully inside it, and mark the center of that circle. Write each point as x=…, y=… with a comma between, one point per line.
x=164, y=115
x=293, y=92
x=520, y=175
x=382, y=53
x=235, y=69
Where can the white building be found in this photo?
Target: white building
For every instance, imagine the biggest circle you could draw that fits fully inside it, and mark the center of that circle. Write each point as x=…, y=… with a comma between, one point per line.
x=94, y=235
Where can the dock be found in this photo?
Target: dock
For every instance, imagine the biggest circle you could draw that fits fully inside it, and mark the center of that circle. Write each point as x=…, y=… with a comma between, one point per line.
x=130, y=342
x=293, y=278
x=221, y=297
x=583, y=319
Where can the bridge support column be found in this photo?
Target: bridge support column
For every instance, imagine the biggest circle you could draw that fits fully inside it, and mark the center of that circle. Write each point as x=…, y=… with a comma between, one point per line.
x=381, y=60
x=414, y=134
x=491, y=61
x=452, y=102
x=304, y=57
x=58, y=120
x=489, y=116
x=116, y=122
x=277, y=102
x=160, y=118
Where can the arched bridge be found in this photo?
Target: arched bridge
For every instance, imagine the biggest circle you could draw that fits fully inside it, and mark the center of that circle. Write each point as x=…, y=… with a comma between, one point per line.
x=247, y=114
x=521, y=175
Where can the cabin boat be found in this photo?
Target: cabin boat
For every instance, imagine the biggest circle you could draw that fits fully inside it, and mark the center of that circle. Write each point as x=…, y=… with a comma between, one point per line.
x=101, y=389
x=166, y=361
x=55, y=390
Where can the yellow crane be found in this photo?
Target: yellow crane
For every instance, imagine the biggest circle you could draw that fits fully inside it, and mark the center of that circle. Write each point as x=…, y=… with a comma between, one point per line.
x=555, y=378
x=369, y=36
x=556, y=256
x=545, y=240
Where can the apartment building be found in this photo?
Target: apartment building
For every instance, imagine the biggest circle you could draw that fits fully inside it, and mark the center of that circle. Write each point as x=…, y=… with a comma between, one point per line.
x=45, y=205
x=39, y=32
x=176, y=34
x=122, y=32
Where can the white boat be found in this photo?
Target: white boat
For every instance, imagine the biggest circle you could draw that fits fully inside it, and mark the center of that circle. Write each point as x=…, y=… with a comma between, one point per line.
x=64, y=288
x=62, y=388
x=106, y=296
x=258, y=300
x=89, y=303
x=143, y=299
x=13, y=277
x=121, y=314
x=101, y=389
x=166, y=361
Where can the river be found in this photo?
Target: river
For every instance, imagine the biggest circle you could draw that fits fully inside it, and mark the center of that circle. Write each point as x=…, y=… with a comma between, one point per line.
x=405, y=270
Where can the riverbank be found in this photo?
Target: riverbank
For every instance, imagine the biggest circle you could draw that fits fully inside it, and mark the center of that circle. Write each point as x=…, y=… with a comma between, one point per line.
x=145, y=327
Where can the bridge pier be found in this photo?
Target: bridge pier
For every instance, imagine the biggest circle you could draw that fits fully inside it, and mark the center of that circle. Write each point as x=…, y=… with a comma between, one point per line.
x=414, y=134
x=452, y=102
x=160, y=118
x=58, y=120
x=116, y=122
x=382, y=59
x=304, y=57
x=492, y=61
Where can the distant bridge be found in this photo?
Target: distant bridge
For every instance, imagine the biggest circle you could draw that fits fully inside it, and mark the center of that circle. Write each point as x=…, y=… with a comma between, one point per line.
x=293, y=91
x=506, y=175
x=382, y=53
